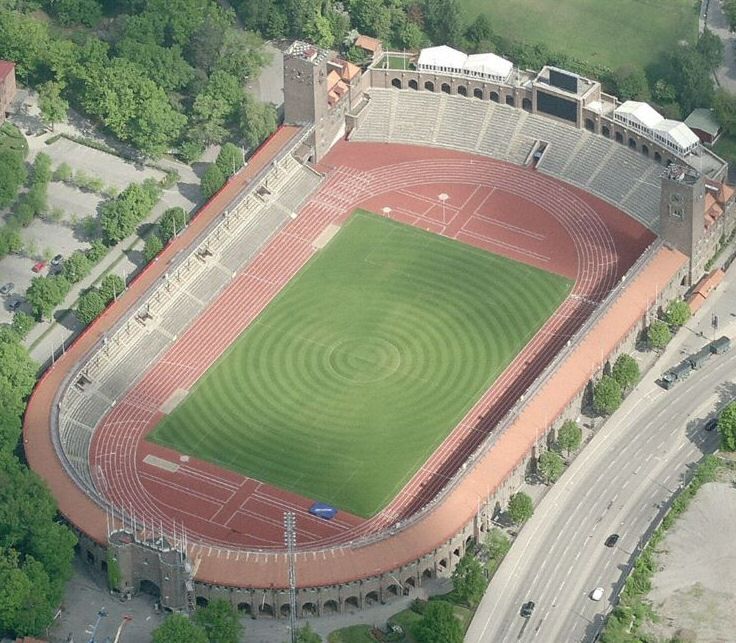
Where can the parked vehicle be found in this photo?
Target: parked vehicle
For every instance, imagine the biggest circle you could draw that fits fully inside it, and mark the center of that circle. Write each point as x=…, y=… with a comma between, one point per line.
x=39, y=266
x=7, y=288
x=527, y=609
x=597, y=594
x=611, y=540
x=57, y=260
x=711, y=424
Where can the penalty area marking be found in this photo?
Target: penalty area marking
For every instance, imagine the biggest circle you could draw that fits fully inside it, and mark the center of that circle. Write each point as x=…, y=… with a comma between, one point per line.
x=324, y=237
x=174, y=400
x=160, y=463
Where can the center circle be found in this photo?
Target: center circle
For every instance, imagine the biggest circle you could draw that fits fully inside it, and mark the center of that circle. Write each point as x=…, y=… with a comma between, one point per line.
x=364, y=359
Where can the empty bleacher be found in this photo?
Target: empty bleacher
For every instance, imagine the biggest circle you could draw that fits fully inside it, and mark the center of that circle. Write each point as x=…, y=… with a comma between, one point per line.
x=595, y=163
x=190, y=286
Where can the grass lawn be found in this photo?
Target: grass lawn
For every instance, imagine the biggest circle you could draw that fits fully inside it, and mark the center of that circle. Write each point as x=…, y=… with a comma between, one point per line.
x=363, y=364
x=605, y=32
x=352, y=634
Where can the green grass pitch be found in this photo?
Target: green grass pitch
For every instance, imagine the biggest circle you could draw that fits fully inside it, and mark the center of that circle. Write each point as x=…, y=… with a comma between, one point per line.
x=607, y=32
x=355, y=373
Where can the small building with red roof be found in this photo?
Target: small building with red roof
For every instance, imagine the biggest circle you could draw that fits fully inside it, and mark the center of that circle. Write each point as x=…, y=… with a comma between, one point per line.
x=7, y=87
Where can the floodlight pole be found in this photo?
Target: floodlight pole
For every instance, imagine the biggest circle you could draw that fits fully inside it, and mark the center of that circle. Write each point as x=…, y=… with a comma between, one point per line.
x=290, y=541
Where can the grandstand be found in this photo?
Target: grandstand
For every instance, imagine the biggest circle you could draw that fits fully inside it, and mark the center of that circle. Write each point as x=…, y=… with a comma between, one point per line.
x=593, y=163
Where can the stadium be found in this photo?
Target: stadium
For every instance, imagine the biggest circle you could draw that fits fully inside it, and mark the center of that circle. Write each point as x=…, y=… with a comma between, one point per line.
x=388, y=312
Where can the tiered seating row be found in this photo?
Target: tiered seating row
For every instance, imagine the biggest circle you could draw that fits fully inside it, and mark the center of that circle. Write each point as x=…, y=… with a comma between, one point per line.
x=594, y=163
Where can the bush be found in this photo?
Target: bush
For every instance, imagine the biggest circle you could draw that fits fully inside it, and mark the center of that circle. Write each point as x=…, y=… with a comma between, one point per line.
x=190, y=151
x=110, y=287
x=153, y=246
x=63, y=172
x=42, y=168
x=22, y=323
x=90, y=306
x=96, y=252
x=170, y=180
x=212, y=181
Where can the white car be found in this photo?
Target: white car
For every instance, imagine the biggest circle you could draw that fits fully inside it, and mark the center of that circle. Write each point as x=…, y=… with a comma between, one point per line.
x=597, y=594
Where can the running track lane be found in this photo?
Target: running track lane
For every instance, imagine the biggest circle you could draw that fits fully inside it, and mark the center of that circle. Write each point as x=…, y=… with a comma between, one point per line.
x=502, y=208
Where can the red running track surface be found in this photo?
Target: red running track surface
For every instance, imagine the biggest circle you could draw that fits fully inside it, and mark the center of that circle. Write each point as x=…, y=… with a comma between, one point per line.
x=508, y=210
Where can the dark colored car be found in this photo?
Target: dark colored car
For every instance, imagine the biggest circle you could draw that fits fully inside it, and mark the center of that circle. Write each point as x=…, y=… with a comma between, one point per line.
x=57, y=260
x=611, y=540
x=711, y=424
x=7, y=288
x=14, y=304
x=527, y=609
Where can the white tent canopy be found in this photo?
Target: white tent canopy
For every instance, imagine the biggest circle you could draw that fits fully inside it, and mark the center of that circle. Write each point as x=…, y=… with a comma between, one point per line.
x=678, y=133
x=442, y=57
x=637, y=113
x=489, y=65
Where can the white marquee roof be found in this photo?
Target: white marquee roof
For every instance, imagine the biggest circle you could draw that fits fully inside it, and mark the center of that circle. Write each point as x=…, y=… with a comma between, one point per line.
x=490, y=64
x=677, y=132
x=641, y=113
x=442, y=56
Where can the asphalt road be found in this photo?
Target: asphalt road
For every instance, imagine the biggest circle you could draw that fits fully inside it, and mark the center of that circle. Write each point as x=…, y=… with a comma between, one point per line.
x=618, y=484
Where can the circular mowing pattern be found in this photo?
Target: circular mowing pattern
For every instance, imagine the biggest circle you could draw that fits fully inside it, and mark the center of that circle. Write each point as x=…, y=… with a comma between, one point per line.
x=362, y=360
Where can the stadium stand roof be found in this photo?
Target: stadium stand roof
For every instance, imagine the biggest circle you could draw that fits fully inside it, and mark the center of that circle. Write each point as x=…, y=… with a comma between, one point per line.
x=489, y=64
x=443, y=57
x=642, y=113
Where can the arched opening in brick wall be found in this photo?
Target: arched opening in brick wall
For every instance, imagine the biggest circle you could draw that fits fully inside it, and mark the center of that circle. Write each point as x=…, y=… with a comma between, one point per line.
x=494, y=97
x=265, y=609
x=413, y=84
x=352, y=602
x=462, y=90
x=309, y=609
x=396, y=82
x=429, y=86
x=446, y=88
x=244, y=608
x=478, y=93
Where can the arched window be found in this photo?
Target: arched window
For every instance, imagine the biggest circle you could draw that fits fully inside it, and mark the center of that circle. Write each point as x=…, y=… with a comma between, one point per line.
x=396, y=82
x=589, y=124
x=619, y=137
x=413, y=84
x=462, y=90
x=645, y=150
x=478, y=93
x=445, y=88
x=429, y=86
x=658, y=157
x=526, y=104
x=494, y=97
x=510, y=101
x=632, y=143
x=605, y=131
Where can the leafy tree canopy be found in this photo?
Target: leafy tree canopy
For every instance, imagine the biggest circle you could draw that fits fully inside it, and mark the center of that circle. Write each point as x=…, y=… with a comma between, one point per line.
x=658, y=334
x=607, y=395
x=111, y=287
x=468, y=580
x=306, y=634
x=569, y=436
x=677, y=313
x=12, y=174
x=152, y=247
x=727, y=427
x=177, y=628
x=90, y=306
x=212, y=180
x=520, y=507
x=230, y=159
x=551, y=466
x=171, y=223
x=46, y=293
x=626, y=371
x=219, y=621
x=438, y=624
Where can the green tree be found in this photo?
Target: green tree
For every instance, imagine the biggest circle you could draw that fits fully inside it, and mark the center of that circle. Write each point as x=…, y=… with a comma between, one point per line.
x=179, y=629
x=257, y=121
x=212, y=180
x=120, y=216
x=438, y=624
x=551, y=466
x=691, y=79
x=54, y=108
x=24, y=40
x=17, y=374
x=219, y=621
x=171, y=223
x=497, y=544
x=69, y=12
x=664, y=92
x=724, y=105
x=631, y=83
x=520, y=507
x=96, y=251
x=306, y=634
x=569, y=436
x=76, y=266
x=216, y=107
x=22, y=323
x=710, y=47
x=152, y=247
x=677, y=313
x=111, y=287
x=10, y=430
x=12, y=175
x=241, y=54
x=10, y=240
x=658, y=334
x=468, y=580
x=443, y=21
x=90, y=306
x=46, y=293
x=727, y=427
x=230, y=159
x=607, y=395
x=626, y=372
